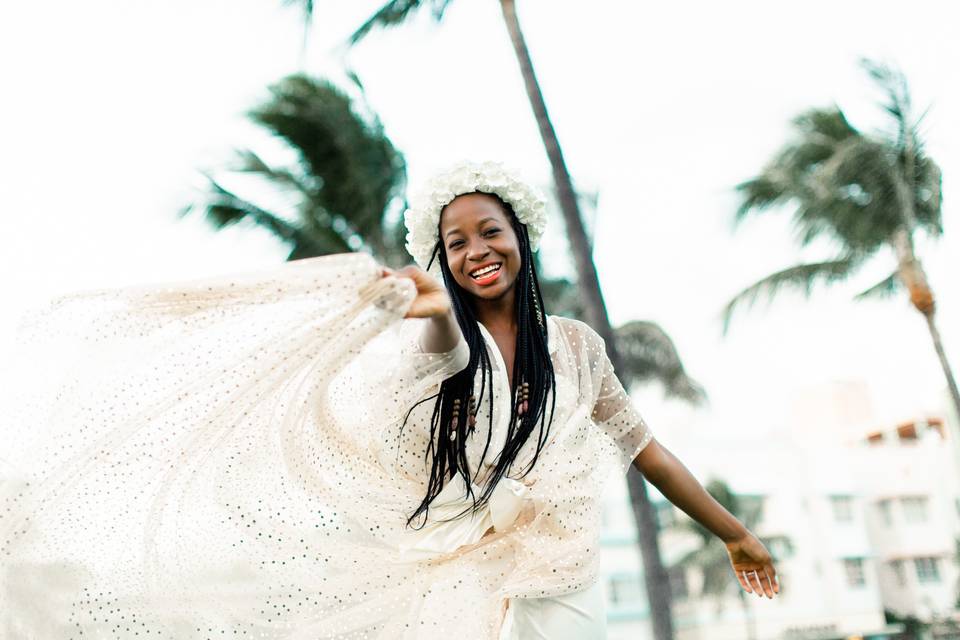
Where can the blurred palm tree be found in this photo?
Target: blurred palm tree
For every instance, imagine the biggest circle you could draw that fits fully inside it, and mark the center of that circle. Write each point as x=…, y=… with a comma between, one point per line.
x=394, y=12
x=344, y=178
x=710, y=558
x=863, y=192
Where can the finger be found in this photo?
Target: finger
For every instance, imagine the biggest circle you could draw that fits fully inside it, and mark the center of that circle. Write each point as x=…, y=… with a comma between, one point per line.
x=409, y=271
x=755, y=583
x=773, y=578
x=765, y=582
x=742, y=577
x=769, y=587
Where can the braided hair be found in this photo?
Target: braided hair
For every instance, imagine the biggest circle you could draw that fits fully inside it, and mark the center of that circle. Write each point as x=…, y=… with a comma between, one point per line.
x=532, y=365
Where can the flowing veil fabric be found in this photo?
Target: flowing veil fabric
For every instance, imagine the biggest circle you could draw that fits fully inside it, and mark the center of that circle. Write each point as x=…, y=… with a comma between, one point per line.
x=223, y=458
x=192, y=459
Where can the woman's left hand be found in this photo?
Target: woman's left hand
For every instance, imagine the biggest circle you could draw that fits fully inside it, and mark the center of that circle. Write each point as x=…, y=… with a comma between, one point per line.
x=753, y=566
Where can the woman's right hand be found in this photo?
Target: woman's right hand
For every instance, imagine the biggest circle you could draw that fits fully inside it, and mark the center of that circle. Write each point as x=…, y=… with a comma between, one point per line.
x=432, y=298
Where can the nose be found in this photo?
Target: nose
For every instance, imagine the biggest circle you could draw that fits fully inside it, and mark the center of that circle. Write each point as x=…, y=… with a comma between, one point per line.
x=477, y=249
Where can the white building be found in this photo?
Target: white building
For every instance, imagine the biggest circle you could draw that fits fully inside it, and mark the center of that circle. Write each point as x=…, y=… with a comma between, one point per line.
x=860, y=519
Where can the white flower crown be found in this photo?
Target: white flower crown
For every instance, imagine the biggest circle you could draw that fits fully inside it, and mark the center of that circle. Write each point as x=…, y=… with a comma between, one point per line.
x=422, y=219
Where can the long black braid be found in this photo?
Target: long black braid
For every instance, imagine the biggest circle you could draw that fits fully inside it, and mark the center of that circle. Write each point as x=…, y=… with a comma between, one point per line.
x=531, y=364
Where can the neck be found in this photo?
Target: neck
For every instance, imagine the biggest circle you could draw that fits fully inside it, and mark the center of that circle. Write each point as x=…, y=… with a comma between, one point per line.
x=497, y=315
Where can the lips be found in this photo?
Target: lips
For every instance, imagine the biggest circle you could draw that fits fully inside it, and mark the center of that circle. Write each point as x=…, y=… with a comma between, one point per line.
x=488, y=273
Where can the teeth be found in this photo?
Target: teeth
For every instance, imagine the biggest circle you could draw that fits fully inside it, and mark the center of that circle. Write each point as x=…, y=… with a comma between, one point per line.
x=484, y=271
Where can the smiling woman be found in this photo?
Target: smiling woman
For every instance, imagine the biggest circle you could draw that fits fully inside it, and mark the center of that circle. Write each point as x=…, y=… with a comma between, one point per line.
x=258, y=454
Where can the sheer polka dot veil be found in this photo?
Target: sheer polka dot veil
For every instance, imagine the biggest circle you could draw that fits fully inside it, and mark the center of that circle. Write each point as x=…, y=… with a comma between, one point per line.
x=223, y=458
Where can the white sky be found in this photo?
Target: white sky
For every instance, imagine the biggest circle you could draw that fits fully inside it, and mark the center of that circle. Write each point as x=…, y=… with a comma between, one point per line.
x=111, y=106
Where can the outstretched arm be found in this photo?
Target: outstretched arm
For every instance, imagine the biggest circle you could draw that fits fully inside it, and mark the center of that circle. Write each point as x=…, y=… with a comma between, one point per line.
x=441, y=333
x=751, y=561
x=616, y=416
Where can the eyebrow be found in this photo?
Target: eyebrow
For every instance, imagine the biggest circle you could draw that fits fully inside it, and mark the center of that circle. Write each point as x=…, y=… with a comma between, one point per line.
x=455, y=229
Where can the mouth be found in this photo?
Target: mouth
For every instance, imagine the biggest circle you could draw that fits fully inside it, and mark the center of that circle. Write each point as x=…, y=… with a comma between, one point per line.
x=487, y=273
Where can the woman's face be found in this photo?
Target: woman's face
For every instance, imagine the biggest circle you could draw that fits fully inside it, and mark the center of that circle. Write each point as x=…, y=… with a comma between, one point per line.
x=479, y=240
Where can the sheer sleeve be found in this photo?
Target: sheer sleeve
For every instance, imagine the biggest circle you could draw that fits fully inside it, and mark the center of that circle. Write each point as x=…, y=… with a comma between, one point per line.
x=611, y=407
x=393, y=372
x=425, y=364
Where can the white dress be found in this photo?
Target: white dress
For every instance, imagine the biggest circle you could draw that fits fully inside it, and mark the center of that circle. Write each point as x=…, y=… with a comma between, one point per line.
x=224, y=458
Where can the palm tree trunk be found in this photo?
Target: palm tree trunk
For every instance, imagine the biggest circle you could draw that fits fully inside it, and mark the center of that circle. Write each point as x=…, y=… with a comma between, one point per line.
x=948, y=372
x=658, y=586
x=655, y=576
x=913, y=277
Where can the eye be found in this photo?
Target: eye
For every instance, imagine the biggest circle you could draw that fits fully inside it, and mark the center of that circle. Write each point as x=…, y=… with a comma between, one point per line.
x=455, y=244
x=491, y=231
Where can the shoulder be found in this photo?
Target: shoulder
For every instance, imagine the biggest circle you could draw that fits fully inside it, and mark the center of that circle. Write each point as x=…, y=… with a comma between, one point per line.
x=577, y=330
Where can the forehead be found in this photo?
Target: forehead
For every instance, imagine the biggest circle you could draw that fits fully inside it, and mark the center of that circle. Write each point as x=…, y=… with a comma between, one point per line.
x=469, y=210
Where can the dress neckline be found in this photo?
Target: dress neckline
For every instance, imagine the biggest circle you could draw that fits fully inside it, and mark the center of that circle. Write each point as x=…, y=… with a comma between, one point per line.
x=498, y=356
x=492, y=344
x=551, y=338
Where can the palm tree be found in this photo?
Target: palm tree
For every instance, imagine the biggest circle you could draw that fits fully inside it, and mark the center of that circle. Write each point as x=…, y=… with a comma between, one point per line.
x=345, y=180
x=394, y=12
x=710, y=557
x=865, y=193
x=345, y=177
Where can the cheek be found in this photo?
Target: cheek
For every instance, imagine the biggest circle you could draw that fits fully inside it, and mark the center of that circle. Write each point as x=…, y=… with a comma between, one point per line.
x=511, y=248
x=454, y=262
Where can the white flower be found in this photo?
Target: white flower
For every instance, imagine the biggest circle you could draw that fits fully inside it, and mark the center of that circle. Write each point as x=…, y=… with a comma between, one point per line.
x=422, y=219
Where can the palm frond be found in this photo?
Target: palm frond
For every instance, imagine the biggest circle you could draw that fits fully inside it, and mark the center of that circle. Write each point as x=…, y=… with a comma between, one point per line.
x=710, y=557
x=800, y=277
x=906, y=146
x=894, y=84
x=648, y=353
x=763, y=192
x=249, y=162
x=704, y=555
x=308, y=8
x=224, y=208
x=786, y=177
x=396, y=12
x=840, y=182
x=561, y=296
x=883, y=289
x=928, y=185
x=826, y=124
x=348, y=168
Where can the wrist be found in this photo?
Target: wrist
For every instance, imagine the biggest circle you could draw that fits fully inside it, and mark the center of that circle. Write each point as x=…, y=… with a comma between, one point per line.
x=441, y=333
x=736, y=534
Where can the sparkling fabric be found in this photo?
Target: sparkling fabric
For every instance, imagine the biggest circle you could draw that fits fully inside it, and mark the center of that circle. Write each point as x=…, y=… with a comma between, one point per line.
x=223, y=458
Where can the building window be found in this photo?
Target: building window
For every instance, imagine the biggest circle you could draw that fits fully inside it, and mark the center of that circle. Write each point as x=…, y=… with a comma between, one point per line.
x=886, y=511
x=678, y=583
x=854, y=571
x=927, y=569
x=624, y=590
x=842, y=508
x=899, y=572
x=914, y=508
